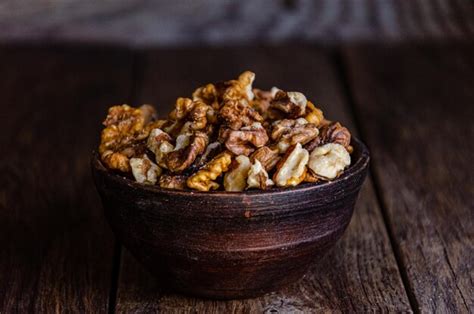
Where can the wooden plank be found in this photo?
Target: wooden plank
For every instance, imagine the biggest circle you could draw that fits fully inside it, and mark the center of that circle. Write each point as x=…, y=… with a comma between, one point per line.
x=415, y=106
x=360, y=274
x=56, y=250
x=163, y=22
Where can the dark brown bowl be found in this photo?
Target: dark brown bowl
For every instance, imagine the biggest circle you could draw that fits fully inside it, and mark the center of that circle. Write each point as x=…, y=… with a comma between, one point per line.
x=230, y=244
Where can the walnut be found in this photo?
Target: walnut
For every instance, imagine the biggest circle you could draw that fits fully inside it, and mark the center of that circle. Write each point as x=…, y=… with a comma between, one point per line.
x=116, y=161
x=258, y=177
x=244, y=141
x=289, y=132
x=329, y=160
x=185, y=153
x=125, y=129
x=334, y=132
x=235, y=114
x=159, y=143
x=313, y=114
x=208, y=94
x=262, y=102
x=236, y=179
x=203, y=180
x=144, y=170
x=174, y=182
x=240, y=88
x=267, y=156
x=211, y=151
x=182, y=108
x=291, y=103
x=291, y=169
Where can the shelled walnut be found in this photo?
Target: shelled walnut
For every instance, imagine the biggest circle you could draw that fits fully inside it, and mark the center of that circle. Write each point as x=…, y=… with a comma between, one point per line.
x=227, y=135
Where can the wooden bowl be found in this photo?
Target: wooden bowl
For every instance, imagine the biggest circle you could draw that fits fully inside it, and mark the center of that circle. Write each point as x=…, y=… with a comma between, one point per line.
x=230, y=244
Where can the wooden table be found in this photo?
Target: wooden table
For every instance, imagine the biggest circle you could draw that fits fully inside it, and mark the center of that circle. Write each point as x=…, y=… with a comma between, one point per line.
x=409, y=247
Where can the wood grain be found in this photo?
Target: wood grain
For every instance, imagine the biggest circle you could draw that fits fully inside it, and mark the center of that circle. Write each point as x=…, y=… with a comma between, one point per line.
x=415, y=106
x=360, y=274
x=198, y=22
x=55, y=248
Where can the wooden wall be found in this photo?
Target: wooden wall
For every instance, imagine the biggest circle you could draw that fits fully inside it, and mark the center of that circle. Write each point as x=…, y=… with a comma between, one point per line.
x=208, y=22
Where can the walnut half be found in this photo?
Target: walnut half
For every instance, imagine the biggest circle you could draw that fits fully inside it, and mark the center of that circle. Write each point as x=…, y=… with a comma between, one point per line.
x=236, y=179
x=244, y=141
x=203, y=180
x=291, y=170
x=329, y=160
x=144, y=170
x=258, y=177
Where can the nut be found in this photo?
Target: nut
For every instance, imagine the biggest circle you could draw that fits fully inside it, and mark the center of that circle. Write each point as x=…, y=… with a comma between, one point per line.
x=159, y=142
x=242, y=142
x=236, y=114
x=258, y=177
x=291, y=169
x=334, y=132
x=313, y=115
x=291, y=103
x=329, y=160
x=236, y=179
x=115, y=161
x=174, y=182
x=203, y=180
x=267, y=156
x=289, y=132
x=207, y=94
x=186, y=151
x=240, y=88
x=144, y=170
x=125, y=128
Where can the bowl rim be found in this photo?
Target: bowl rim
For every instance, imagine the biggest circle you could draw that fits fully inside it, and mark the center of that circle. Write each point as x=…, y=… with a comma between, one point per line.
x=360, y=165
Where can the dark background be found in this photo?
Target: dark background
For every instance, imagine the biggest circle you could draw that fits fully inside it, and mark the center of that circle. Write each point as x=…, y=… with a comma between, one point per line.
x=399, y=74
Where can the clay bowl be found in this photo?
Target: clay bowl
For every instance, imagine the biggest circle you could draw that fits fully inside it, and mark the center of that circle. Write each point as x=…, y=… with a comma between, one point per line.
x=230, y=245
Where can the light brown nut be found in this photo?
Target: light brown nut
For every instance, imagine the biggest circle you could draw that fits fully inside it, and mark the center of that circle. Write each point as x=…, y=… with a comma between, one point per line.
x=313, y=115
x=173, y=182
x=115, y=161
x=185, y=154
x=329, y=160
x=240, y=88
x=125, y=129
x=198, y=115
x=334, y=132
x=244, y=141
x=208, y=94
x=203, y=180
x=291, y=169
x=182, y=108
x=235, y=114
x=236, y=178
x=267, y=156
x=293, y=104
x=159, y=143
x=289, y=132
x=144, y=170
x=258, y=177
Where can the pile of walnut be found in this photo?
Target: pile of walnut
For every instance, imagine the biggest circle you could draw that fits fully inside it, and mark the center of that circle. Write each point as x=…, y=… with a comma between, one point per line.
x=228, y=134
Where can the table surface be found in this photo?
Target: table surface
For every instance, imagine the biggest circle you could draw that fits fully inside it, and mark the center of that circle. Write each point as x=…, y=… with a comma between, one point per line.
x=409, y=246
